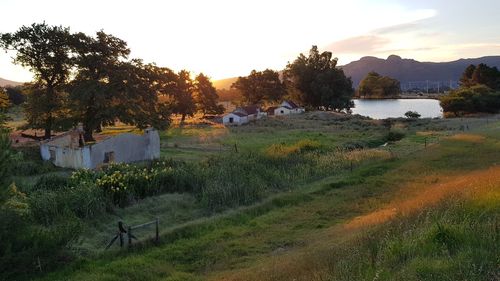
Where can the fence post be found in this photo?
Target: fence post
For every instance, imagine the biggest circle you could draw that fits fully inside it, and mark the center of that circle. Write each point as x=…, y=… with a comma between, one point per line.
x=425, y=139
x=157, y=229
x=129, y=234
x=120, y=233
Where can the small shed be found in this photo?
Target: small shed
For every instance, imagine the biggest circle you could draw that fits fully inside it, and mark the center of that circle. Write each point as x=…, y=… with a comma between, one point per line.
x=288, y=107
x=235, y=119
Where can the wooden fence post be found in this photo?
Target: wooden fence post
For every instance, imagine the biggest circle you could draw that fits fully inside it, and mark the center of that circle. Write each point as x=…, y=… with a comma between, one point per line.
x=129, y=234
x=157, y=230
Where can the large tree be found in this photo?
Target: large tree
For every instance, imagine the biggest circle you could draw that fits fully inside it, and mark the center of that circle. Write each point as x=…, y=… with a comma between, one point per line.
x=205, y=96
x=92, y=97
x=318, y=82
x=45, y=51
x=4, y=104
x=260, y=86
x=184, y=104
x=375, y=85
x=139, y=103
x=481, y=74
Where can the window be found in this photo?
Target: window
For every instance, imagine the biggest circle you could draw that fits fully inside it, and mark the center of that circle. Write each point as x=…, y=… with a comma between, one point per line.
x=231, y=120
x=109, y=157
x=282, y=112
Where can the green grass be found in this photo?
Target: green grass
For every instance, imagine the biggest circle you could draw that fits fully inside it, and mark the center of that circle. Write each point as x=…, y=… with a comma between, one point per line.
x=247, y=240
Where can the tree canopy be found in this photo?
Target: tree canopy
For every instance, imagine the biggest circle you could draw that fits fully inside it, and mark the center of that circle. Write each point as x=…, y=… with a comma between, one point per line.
x=479, y=92
x=318, y=82
x=45, y=51
x=88, y=79
x=260, y=86
x=375, y=85
x=477, y=98
x=206, y=97
x=481, y=74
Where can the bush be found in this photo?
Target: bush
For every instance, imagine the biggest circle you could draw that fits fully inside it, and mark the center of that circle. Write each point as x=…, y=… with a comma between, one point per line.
x=394, y=135
x=412, y=114
x=51, y=182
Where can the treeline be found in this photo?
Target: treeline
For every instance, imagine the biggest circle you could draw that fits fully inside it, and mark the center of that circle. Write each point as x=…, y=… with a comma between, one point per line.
x=479, y=91
x=313, y=81
x=92, y=80
x=377, y=86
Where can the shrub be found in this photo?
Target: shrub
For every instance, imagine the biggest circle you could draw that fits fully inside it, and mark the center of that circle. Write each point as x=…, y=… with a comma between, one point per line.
x=51, y=182
x=395, y=135
x=412, y=114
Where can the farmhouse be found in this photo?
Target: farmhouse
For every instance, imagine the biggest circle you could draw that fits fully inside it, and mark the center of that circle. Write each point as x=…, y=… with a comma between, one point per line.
x=252, y=111
x=243, y=115
x=288, y=107
x=235, y=118
x=69, y=150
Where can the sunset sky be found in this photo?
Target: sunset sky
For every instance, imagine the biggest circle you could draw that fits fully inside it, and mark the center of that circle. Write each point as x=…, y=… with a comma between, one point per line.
x=230, y=38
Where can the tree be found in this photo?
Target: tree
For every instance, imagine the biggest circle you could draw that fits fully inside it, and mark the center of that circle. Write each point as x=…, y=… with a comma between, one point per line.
x=481, y=74
x=260, y=86
x=412, y=114
x=375, y=85
x=92, y=97
x=141, y=86
x=478, y=98
x=16, y=95
x=318, y=82
x=4, y=104
x=183, y=95
x=206, y=97
x=45, y=51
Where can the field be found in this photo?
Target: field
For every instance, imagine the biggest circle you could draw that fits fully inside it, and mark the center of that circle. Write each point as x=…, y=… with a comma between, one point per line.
x=321, y=196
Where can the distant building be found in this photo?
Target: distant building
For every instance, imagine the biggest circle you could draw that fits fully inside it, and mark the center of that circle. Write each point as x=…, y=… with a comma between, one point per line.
x=69, y=151
x=288, y=107
x=235, y=119
x=243, y=115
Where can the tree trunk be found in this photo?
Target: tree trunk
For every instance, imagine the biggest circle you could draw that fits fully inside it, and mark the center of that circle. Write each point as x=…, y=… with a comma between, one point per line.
x=48, y=128
x=87, y=136
x=183, y=118
x=47, y=133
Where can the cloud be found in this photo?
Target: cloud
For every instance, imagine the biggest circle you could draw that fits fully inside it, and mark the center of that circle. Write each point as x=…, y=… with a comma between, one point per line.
x=359, y=44
x=399, y=28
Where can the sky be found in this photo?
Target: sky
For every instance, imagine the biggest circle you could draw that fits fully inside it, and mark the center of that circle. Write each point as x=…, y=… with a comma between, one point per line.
x=227, y=38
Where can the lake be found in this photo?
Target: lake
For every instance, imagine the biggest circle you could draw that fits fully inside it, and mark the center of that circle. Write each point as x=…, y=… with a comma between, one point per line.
x=380, y=109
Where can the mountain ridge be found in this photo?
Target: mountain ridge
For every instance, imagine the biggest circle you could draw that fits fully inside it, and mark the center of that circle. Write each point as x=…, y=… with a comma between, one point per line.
x=411, y=71
x=5, y=83
x=406, y=70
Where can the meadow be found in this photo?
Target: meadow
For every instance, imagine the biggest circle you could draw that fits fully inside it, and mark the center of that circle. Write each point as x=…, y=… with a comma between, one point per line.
x=321, y=196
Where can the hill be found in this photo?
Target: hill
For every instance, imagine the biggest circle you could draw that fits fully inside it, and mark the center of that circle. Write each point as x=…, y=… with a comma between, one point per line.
x=5, y=82
x=224, y=83
x=409, y=70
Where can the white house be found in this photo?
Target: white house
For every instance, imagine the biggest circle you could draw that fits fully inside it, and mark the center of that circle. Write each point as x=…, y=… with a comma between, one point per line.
x=252, y=111
x=288, y=107
x=69, y=151
x=235, y=118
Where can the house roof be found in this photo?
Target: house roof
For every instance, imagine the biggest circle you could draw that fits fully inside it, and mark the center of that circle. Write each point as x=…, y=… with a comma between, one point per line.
x=271, y=109
x=238, y=114
x=292, y=104
x=250, y=109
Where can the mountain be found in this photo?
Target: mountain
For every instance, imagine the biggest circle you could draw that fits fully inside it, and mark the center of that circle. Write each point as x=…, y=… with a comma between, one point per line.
x=5, y=82
x=412, y=73
x=224, y=83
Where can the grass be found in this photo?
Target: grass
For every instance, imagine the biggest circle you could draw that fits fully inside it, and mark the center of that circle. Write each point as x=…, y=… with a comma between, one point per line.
x=421, y=213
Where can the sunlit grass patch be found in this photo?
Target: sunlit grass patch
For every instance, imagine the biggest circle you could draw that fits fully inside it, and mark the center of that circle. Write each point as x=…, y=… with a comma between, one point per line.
x=468, y=138
x=283, y=150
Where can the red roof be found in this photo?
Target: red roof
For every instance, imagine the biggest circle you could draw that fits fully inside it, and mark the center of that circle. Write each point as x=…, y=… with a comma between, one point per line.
x=250, y=109
x=292, y=104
